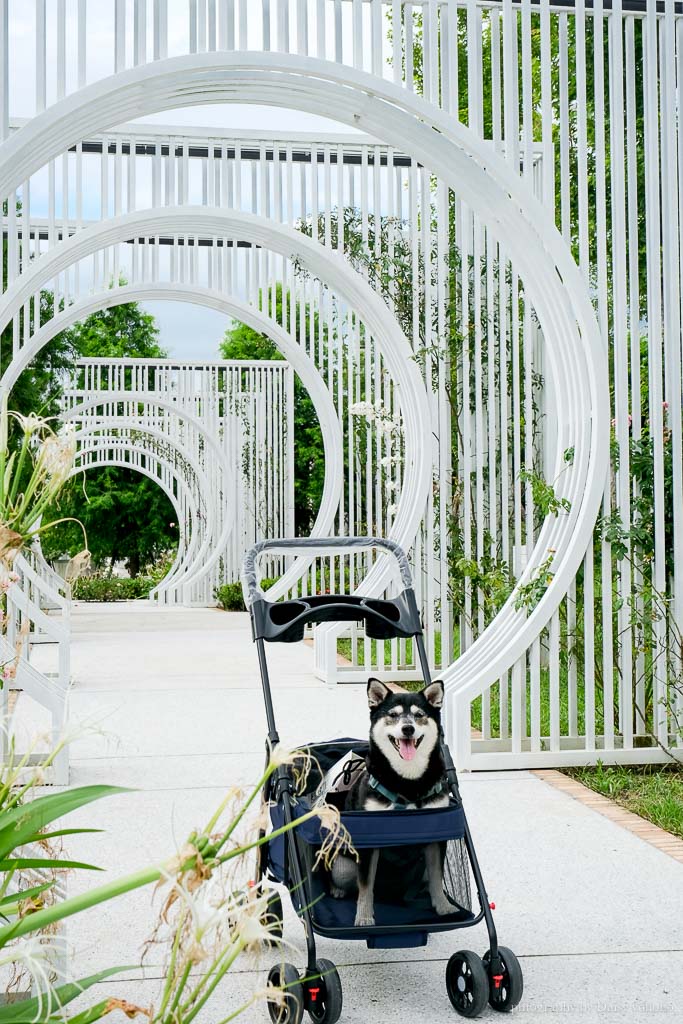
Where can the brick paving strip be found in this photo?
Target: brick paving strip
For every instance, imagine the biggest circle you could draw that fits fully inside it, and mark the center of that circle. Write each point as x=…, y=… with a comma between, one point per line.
x=669, y=844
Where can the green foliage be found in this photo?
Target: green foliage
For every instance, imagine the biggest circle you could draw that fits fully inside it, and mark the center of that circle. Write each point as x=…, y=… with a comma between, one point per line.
x=229, y=596
x=545, y=500
x=530, y=593
x=654, y=792
x=101, y=586
x=126, y=517
x=120, y=332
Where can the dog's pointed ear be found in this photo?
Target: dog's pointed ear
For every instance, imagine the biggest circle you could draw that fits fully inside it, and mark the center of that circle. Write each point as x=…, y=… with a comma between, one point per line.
x=377, y=692
x=434, y=693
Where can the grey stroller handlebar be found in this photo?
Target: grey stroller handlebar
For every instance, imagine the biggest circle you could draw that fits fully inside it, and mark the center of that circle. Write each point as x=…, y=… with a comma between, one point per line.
x=284, y=621
x=320, y=545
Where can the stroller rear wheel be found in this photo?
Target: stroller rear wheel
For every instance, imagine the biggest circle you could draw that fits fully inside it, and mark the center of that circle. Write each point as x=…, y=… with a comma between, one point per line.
x=290, y=1009
x=467, y=983
x=325, y=994
x=505, y=992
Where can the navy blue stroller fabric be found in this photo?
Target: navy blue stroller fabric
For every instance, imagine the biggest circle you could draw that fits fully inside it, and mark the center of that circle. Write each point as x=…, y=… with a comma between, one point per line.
x=401, y=894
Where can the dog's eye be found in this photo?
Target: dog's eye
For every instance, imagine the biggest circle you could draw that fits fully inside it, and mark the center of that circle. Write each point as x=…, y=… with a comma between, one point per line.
x=396, y=713
x=419, y=714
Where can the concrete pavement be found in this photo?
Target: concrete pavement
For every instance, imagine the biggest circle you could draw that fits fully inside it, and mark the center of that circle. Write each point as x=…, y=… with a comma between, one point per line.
x=593, y=912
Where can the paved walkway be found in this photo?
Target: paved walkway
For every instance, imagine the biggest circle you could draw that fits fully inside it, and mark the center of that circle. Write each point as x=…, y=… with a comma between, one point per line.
x=593, y=912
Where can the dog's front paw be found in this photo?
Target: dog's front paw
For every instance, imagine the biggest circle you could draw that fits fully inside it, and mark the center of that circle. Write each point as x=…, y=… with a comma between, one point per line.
x=337, y=893
x=364, y=920
x=442, y=906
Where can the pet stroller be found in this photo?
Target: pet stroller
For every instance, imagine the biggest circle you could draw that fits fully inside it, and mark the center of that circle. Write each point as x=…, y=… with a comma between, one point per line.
x=403, y=911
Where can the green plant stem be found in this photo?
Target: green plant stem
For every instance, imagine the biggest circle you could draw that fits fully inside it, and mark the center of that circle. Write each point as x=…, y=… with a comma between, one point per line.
x=182, y=982
x=16, y=476
x=171, y=972
x=220, y=971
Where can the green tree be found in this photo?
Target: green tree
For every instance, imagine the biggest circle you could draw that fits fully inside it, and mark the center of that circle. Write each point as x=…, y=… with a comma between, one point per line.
x=126, y=517
x=243, y=342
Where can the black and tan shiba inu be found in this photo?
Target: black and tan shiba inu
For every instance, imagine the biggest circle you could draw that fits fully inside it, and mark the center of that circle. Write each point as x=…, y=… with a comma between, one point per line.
x=405, y=770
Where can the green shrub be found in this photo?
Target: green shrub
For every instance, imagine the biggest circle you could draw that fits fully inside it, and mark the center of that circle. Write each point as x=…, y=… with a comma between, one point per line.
x=101, y=587
x=229, y=595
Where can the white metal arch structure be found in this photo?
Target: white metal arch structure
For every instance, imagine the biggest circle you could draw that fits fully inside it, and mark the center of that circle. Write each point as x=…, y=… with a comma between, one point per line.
x=557, y=290
x=117, y=449
x=322, y=262
x=219, y=520
x=295, y=355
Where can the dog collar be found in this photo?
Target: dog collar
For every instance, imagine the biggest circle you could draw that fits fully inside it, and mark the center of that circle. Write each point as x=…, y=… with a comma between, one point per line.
x=397, y=800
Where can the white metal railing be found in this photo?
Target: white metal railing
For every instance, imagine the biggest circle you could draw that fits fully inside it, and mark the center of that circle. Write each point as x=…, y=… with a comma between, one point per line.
x=38, y=626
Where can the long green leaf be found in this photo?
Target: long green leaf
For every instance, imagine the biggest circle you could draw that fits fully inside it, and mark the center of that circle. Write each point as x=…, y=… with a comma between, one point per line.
x=96, y=1012
x=26, y=894
x=23, y=824
x=45, y=862
x=28, y=1011
x=69, y=832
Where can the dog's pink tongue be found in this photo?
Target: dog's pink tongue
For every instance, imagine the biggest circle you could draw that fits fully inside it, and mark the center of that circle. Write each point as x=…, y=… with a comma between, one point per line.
x=406, y=749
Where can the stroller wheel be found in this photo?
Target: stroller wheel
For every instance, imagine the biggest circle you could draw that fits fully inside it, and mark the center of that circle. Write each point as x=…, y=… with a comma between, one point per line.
x=273, y=917
x=291, y=1011
x=325, y=994
x=467, y=983
x=505, y=995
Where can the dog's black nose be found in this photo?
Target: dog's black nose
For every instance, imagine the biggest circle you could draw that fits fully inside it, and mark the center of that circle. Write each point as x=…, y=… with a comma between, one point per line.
x=408, y=730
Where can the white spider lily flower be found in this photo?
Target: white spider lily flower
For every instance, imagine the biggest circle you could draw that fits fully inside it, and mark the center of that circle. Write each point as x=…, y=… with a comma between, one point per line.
x=392, y=510
x=34, y=954
x=56, y=457
x=388, y=461
x=30, y=424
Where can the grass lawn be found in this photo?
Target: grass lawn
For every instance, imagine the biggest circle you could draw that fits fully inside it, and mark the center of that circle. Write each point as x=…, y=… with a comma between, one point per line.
x=654, y=792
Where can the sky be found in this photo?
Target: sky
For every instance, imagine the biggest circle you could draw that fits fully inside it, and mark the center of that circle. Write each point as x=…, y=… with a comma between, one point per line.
x=191, y=332
x=187, y=332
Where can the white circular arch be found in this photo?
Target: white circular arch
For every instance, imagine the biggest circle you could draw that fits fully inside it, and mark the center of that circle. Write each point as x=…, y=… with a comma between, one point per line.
x=470, y=166
x=302, y=364
x=100, y=462
x=319, y=260
x=191, y=563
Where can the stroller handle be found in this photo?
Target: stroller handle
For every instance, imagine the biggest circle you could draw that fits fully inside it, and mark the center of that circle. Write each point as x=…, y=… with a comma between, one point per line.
x=320, y=545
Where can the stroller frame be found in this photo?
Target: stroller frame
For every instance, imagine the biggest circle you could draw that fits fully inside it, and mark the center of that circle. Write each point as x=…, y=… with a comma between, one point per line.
x=284, y=622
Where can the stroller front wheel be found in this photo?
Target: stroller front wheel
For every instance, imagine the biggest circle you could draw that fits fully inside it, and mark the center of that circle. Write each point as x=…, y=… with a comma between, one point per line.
x=467, y=983
x=325, y=1000
x=507, y=992
x=289, y=1009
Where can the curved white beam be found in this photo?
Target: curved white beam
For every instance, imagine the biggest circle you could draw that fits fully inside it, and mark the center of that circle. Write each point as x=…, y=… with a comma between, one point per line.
x=192, y=561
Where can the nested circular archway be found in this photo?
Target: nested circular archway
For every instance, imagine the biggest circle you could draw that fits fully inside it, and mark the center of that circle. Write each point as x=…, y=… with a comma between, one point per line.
x=319, y=260
x=219, y=524
x=466, y=164
x=92, y=456
x=210, y=298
